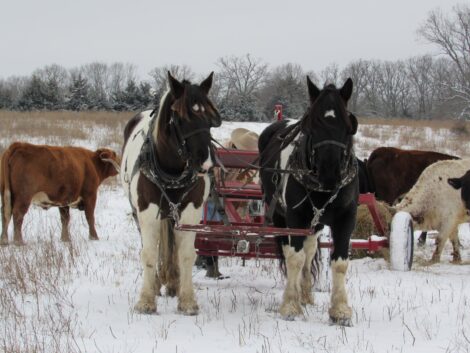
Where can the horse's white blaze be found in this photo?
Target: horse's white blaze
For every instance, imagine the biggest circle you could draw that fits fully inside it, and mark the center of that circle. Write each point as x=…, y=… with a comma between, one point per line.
x=208, y=163
x=330, y=114
x=196, y=107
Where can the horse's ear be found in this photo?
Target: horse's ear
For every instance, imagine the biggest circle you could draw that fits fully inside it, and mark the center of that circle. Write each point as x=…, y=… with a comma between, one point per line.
x=456, y=183
x=176, y=87
x=346, y=90
x=313, y=91
x=354, y=123
x=207, y=83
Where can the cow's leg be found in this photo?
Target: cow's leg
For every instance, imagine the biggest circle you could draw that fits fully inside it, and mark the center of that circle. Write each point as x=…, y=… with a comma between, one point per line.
x=19, y=210
x=310, y=248
x=454, y=238
x=444, y=234
x=6, y=216
x=65, y=220
x=89, y=208
x=295, y=260
x=149, y=225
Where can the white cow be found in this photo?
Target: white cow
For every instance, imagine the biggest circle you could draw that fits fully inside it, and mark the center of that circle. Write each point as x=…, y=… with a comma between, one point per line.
x=434, y=204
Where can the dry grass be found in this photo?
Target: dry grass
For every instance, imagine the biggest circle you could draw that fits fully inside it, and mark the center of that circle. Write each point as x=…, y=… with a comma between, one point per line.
x=63, y=128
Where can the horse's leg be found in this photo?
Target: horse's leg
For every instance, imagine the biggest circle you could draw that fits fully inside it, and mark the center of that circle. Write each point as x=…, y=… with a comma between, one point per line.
x=340, y=312
x=310, y=247
x=184, y=242
x=149, y=224
x=441, y=240
x=295, y=260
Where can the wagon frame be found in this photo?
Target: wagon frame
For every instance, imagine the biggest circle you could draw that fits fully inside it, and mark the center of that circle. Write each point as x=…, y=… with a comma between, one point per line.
x=247, y=237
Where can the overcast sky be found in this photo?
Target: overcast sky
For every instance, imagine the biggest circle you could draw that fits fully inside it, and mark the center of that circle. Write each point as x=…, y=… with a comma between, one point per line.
x=150, y=33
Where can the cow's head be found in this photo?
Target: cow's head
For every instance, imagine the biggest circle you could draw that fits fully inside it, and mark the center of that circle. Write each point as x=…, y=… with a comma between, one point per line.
x=110, y=162
x=463, y=184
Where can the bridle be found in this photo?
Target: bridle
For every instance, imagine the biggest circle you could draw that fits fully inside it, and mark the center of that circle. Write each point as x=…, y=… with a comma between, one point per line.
x=149, y=165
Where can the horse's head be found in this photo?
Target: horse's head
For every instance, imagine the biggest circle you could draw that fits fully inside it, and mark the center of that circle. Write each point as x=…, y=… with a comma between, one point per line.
x=190, y=115
x=329, y=128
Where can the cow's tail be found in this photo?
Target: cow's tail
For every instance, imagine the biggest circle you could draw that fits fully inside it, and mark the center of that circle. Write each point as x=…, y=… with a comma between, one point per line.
x=5, y=190
x=168, y=262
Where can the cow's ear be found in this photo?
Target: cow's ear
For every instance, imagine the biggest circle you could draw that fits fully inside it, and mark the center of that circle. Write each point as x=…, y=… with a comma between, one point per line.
x=456, y=183
x=105, y=154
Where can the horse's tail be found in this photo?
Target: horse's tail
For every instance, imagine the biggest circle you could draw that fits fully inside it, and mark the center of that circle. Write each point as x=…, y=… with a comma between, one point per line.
x=167, y=264
x=5, y=190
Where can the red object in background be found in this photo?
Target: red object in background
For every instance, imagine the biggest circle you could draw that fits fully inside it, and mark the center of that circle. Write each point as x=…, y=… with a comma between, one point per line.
x=278, y=112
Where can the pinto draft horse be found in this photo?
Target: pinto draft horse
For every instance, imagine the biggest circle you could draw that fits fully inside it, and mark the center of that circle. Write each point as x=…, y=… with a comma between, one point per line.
x=310, y=179
x=165, y=164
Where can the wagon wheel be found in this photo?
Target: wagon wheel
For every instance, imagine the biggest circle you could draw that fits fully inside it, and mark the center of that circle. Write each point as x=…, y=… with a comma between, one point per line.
x=401, y=242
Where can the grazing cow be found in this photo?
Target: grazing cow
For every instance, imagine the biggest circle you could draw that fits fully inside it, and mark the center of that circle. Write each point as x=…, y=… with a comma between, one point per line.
x=52, y=176
x=433, y=205
x=463, y=184
x=393, y=171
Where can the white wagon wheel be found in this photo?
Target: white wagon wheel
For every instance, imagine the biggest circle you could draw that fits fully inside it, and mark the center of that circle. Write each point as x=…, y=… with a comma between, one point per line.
x=401, y=242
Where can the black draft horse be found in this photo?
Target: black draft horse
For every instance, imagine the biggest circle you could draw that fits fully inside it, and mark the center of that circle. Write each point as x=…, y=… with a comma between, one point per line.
x=309, y=177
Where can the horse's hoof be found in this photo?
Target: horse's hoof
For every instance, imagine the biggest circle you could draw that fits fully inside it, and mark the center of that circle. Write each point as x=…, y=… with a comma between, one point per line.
x=4, y=242
x=65, y=240
x=19, y=243
x=145, y=307
x=188, y=309
x=347, y=322
x=290, y=311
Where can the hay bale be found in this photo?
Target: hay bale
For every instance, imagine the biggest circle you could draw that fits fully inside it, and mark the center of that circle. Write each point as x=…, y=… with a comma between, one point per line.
x=365, y=227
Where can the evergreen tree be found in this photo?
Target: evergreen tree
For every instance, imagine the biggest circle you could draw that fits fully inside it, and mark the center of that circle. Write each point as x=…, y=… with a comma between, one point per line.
x=78, y=94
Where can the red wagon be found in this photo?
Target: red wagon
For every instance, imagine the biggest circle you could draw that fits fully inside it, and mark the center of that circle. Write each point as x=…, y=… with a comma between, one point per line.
x=246, y=235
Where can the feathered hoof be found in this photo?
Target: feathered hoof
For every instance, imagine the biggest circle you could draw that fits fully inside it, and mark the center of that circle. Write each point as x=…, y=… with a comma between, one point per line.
x=347, y=322
x=19, y=243
x=341, y=315
x=189, y=308
x=145, y=307
x=3, y=242
x=307, y=300
x=289, y=311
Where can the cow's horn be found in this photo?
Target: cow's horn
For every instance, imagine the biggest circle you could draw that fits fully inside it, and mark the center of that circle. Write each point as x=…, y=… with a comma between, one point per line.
x=113, y=162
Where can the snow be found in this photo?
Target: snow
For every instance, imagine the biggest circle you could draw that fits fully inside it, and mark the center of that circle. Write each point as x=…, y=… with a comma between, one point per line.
x=85, y=303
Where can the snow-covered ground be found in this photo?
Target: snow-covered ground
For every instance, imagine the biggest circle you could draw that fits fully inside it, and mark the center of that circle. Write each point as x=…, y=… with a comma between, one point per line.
x=80, y=297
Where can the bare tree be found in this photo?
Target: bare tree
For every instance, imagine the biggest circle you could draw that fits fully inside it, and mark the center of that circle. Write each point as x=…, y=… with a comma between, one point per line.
x=160, y=77
x=241, y=75
x=357, y=71
x=330, y=74
x=451, y=34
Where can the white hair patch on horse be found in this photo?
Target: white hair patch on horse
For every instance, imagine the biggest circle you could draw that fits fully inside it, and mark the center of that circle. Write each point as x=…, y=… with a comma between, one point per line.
x=330, y=114
x=196, y=107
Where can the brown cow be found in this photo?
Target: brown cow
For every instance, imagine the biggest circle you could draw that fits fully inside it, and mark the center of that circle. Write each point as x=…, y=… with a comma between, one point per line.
x=393, y=171
x=52, y=176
